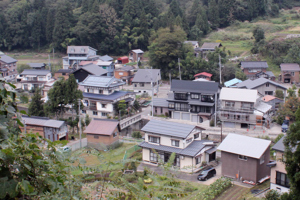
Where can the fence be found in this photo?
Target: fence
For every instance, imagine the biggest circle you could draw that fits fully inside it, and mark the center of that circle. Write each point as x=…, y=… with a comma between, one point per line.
x=129, y=152
x=74, y=145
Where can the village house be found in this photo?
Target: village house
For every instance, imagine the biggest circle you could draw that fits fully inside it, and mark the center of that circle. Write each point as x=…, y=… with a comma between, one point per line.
x=232, y=82
x=273, y=101
x=206, y=48
x=125, y=73
x=109, y=66
x=37, y=65
x=63, y=73
x=8, y=67
x=195, y=44
x=194, y=101
x=279, y=179
x=289, y=73
x=263, y=86
x=136, y=55
x=182, y=139
x=32, y=79
x=203, y=75
x=146, y=81
x=91, y=69
x=102, y=94
x=102, y=133
x=242, y=108
x=256, y=69
x=245, y=158
x=76, y=54
x=160, y=107
x=47, y=128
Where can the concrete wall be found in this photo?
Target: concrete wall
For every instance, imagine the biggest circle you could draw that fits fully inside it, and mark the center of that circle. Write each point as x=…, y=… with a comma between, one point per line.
x=76, y=145
x=157, y=110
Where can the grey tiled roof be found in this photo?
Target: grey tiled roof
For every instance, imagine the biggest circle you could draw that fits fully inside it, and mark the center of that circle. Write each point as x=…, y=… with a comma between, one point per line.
x=111, y=97
x=36, y=65
x=254, y=64
x=7, y=59
x=93, y=69
x=106, y=58
x=191, y=150
x=160, y=102
x=146, y=75
x=270, y=73
x=64, y=71
x=252, y=84
x=168, y=128
x=79, y=49
x=194, y=86
x=279, y=146
x=35, y=72
x=101, y=81
x=290, y=67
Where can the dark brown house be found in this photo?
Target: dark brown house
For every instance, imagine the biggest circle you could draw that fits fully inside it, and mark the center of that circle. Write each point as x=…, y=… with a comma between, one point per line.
x=245, y=158
x=289, y=73
x=125, y=73
x=256, y=69
x=102, y=133
x=136, y=55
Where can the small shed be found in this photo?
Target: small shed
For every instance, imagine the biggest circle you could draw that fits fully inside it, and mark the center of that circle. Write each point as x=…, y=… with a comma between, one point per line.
x=123, y=60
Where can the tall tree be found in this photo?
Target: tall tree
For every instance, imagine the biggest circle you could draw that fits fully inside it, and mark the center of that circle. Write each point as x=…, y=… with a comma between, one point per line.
x=36, y=105
x=213, y=13
x=226, y=8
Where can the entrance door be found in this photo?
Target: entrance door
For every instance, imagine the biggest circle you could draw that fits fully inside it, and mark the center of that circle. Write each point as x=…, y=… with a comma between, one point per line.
x=167, y=156
x=212, y=157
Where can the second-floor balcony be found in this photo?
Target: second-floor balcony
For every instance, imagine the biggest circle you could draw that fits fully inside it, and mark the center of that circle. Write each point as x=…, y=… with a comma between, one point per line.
x=240, y=109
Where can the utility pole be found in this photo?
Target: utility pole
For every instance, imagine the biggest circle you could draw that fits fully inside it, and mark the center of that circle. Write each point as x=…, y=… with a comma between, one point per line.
x=179, y=68
x=220, y=65
x=53, y=56
x=49, y=64
x=80, y=130
x=152, y=93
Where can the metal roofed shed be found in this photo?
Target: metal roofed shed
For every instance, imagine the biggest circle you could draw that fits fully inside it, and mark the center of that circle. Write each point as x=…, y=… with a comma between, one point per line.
x=137, y=51
x=123, y=60
x=244, y=145
x=232, y=82
x=146, y=76
x=106, y=58
x=7, y=59
x=209, y=46
x=101, y=81
x=169, y=128
x=290, y=67
x=42, y=121
x=254, y=64
x=194, y=86
x=102, y=127
x=35, y=72
x=235, y=94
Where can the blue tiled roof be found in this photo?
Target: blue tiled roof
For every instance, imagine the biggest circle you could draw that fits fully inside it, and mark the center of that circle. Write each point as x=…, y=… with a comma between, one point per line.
x=232, y=82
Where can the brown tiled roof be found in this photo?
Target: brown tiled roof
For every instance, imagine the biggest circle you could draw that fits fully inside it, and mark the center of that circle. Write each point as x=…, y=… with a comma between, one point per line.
x=268, y=98
x=290, y=67
x=101, y=127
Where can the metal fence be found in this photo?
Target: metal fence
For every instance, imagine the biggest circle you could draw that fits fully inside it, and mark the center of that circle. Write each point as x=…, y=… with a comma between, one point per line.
x=130, y=151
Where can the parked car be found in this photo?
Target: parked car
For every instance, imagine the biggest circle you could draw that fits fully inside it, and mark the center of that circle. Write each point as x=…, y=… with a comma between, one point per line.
x=284, y=127
x=206, y=174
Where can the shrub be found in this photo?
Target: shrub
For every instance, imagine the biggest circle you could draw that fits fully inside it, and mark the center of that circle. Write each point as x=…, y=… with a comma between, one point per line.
x=216, y=188
x=167, y=114
x=189, y=188
x=272, y=195
x=130, y=177
x=136, y=134
x=204, y=163
x=24, y=98
x=212, y=123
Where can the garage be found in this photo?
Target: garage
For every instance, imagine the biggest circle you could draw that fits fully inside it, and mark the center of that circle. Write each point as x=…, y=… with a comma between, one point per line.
x=229, y=124
x=287, y=80
x=186, y=116
x=176, y=115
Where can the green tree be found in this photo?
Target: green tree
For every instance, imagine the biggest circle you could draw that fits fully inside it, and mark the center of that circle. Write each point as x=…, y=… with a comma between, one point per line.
x=122, y=108
x=292, y=91
x=20, y=68
x=258, y=34
x=289, y=108
x=293, y=55
x=36, y=105
x=213, y=14
x=239, y=74
x=279, y=94
x=87, y=120
x=272, y=195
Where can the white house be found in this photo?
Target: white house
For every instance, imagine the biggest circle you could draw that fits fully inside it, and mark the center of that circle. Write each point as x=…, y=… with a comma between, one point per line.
x=77, y=54
x=34, y=78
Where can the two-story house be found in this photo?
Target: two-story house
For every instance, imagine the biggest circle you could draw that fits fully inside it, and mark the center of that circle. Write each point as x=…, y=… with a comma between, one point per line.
x=32, y=78
x=206, y=48
x=47, y=128
x=237, y=108
x=102, y=94
x=125, y=73
x=279, y=179
x=109, y=66
x=256, y=69
x=193, y=100
x=162, y=138
x=289, y=73
x=146, y=81
x=8, y=67
x=77, y=54
x=136, y=55
x=263, y=86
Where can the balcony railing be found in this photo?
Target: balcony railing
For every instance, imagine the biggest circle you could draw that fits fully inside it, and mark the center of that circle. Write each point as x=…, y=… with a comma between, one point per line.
x=244, y=109
x=91, y=107
x=240, y=120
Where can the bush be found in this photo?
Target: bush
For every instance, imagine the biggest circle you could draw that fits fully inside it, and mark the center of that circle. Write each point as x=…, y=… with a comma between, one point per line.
x=189, y=188
x=130, y=177
x=115, y=145
x=272, y=195
x=212, y=123
x=216, y=188
x=61, y=142
x=24, y=98
x=136, y=134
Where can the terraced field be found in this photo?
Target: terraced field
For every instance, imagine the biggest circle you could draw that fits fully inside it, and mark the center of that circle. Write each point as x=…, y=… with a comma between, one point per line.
x=233, y=193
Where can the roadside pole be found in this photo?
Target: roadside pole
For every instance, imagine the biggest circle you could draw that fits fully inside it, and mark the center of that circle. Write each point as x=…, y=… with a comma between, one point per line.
x=80, y=130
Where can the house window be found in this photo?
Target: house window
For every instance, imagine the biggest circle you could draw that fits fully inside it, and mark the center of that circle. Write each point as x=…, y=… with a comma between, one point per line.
x=83, y=111
x=268, y=92
x=207, y=98
x=293, y=73
x=154, y=139
x=96, y=136
x=142, y=84
x=90, y=90
x=103, y=114
x=283, y=158
x=262, y=159
x=63, y=74
x=282, y=179
x=135, y=85
x=180, y=96
x=161, y=110
x=115, y=134
x=109, y=91
x=198, y=160
x=155, y=109
x=247, y=106
x=267, y=84
x=103, y=105
x=194, y=96
x=189, y=140
x=86, y=102
x=171, y=105
x=245, y=158
x=175, y=143
x=153, y=157
x=196, y=135
x=120, y=73
x=95, y=113
x=100, y=91
x=229, y=103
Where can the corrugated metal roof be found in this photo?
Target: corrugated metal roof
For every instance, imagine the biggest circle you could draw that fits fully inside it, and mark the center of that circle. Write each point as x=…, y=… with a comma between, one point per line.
x=101, y=127
x=64, y=71
x=210, y=45
x=270, y=73
x=79, y=49
x=254, y=64
x=232, y=82
x=252, y=84
x=147, y=75
x=94, y=69
x=244, y=145
x=7, y=59
x=42, y=121
x=160, y=102
x=137, y=51
x=168, y=128
x=210, y=151
x=290, y=67
x=106, y=58
x=194, y=86
x=101, y=81
x=36, y=65
x=263, y=107
x=111, y=97
x=235, y=94
x=41, y=72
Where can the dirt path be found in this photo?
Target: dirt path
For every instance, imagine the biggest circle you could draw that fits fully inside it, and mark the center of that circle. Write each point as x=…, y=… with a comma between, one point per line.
x=233, y=193
x=244, y=53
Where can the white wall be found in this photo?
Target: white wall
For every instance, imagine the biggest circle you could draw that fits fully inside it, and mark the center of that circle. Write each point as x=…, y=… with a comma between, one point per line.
x=146, y=154
x=165, y=140
x=108, y=107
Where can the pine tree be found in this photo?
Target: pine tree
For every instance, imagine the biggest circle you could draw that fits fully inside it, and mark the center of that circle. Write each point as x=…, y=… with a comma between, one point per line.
x=36, y=104
x=213, y=13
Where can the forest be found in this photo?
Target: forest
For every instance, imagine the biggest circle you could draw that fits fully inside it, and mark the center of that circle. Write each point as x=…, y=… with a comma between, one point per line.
x=115, y=26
